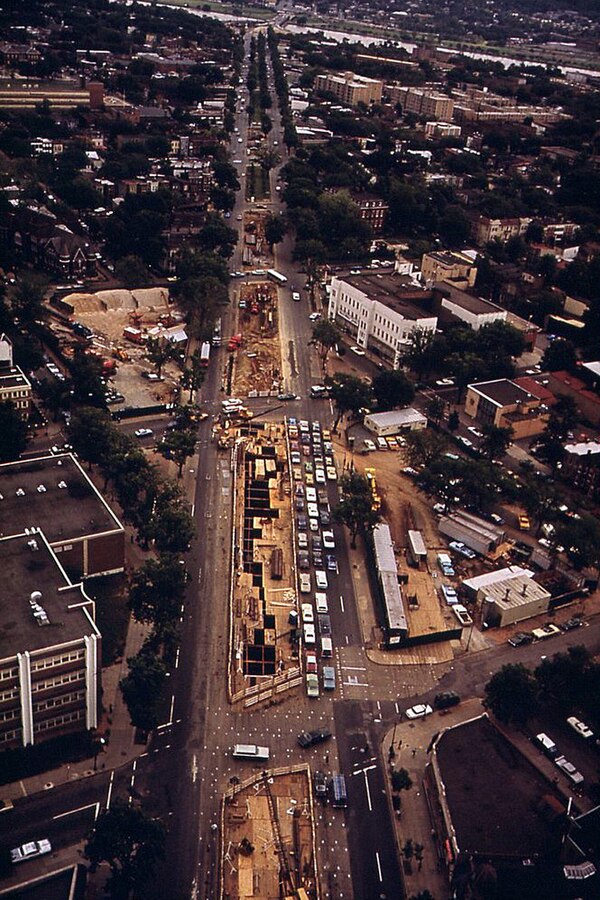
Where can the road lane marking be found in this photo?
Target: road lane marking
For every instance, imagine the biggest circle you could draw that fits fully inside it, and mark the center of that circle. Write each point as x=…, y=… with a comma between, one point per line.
x=342, y=603
x=110, y=787
x=378, y=865
x=172, y=709
x=71, y=812
x=368, y=792
x=355, y=668
x=194, y=769
x=177, y=659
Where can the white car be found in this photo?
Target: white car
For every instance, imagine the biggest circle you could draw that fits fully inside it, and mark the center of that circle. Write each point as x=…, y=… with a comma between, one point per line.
x=369, y=444
x=312, y=684
x=328, y=540
x=358, y=350
x=331, y=473
x=320, y=477
x=313, y=524
x=304, y=583
x=462, y=614
x=313, y=510
x=310, y=637
x=314, y=317
x=580, y=727
x=321, y=602
x=30, y=850
x=321, y=578
x=311, y=495
x=143, y=432
x=419, y=711
x=308, y=614
x=302, y=540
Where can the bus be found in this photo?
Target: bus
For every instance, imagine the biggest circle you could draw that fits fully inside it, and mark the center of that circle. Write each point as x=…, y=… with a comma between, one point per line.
x=217, y=336
x=205, y=354
x=276, y=276
x=338, y=793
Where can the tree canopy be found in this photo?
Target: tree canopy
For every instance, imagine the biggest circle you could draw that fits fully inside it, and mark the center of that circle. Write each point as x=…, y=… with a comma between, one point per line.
x=511, y=694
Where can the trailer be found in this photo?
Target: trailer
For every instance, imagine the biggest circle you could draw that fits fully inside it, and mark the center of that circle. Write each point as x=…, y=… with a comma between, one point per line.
x=416, y=550
x=393, y=422
x=476, y=533
x=277, y=277
x=205, y=354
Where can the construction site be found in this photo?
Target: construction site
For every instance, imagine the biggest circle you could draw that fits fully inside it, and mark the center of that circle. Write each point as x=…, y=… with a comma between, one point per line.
x=256, y=250
x=264, y=638
x=256, y=366
x=268, y=848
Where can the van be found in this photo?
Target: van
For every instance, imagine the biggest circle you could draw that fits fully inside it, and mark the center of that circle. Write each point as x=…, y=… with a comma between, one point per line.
x=251, y=751
x=321, y=602
x=546, y=745
x=326, y=648
x=338, y=793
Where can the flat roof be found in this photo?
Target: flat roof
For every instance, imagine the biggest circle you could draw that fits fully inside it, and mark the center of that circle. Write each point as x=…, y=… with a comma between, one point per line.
x=487, y=779
x=501, y=392
x=385, y=560
x=397, y=417
x=515, y=591
x=13, y=377
x=587, y=448
x=386, y=288
x=476, y=305
x=29, y=564
x=70, y=507
x=488, y=578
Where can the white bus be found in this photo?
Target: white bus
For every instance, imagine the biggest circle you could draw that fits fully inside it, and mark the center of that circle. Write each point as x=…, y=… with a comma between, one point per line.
x=276, y=276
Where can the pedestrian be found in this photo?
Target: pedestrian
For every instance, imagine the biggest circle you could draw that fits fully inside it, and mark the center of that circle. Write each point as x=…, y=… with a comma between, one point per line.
x=414, y=752
x=327, y=758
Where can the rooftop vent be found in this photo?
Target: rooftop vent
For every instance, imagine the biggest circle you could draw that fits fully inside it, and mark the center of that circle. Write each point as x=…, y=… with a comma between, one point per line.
x=41, y=489
x=20, y=492
x=62, y=484
x=33, y=545
x=39, y=613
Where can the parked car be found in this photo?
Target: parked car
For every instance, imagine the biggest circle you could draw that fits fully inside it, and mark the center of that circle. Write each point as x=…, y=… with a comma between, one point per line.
x=310, y=738
x=461, y=548
x=312, y=685
x=321, y=602
x=369, y=445
x=331, y=562
x=328, y=678
x=580, y=727
x=418, y=711
x=308, y=614
x=524, y=523
x=321, y=579
x=462, y=614
x=30, y=850
x=304, y=583
x=520, y=639
x=310, y=637
x=143, y=432
x=446, y=699
x=328, y=540
x=449, y=593
x=320, y=785
x=571, y=624
x=311, y=663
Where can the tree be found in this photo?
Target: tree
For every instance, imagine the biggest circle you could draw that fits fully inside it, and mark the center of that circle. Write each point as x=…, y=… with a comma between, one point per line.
x=86, y=374
x=325, y=334
x=392, y=389
x=559, y=356
x=581, y=537
x=132, y=271
x=159, y=351
x=178, y=446
x=355, y=509
x=401, y=780
x=13, y=432
x=92, y=434
x=157, y=590
x=131, y=843
x=562, y=419
x=142, y=688
x=562, y=679
x=200, y=298
x=275, y=229
x=349, y=394
x=425, y=446
x=453, y=421
x=193, y=375
x=495, y=441
x=268, y=159
x=435, y=409
x=419, y=353
x=27, y=301
x=511, y=694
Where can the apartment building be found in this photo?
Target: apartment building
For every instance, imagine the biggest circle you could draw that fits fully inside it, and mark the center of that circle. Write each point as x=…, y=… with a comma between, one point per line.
x=427, y=103
x=27, y=94
x=373, y=210
x=14, y=386
x=50, y=658
x=581, y=467
x=350, y=88
x=485, y=229
x=380, y=312
x=442, y=129
x=449, y=266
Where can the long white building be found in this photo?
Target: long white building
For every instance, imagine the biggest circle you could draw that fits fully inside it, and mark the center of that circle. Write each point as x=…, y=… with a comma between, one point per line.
x=380, y=311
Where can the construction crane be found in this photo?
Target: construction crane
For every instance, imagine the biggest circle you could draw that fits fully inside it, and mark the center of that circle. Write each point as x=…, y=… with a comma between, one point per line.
x=286, y=875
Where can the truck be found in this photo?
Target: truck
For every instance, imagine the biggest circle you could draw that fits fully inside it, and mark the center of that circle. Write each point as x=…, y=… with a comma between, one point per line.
x=217, y=333
x=235, y=342
x=416, y=549
x=135, y=335
x=205, y=354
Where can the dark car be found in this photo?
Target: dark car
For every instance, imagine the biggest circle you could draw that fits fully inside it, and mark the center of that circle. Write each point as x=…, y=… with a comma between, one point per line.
x=299, y=504
x=320, y=785
x=302, y=523
x=303, y=560
x=324, y=625
x=325, y=517
x=310, y=738
x=317, y=557
x=331, y=562
x=520, y=639
x=317, y=543
x=446, y=699
x=571, y=624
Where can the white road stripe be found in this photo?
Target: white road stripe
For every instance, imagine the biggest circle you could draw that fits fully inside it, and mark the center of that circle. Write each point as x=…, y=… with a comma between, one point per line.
x=110, y=787
x=72, y=812
x=378, y=865
x=368, y=792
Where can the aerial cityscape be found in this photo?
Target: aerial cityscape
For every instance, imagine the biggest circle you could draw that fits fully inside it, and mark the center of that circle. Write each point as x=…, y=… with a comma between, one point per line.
x=300, y=450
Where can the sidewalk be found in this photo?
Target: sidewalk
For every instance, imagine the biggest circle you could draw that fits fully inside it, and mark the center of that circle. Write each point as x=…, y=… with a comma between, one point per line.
x=411, y=740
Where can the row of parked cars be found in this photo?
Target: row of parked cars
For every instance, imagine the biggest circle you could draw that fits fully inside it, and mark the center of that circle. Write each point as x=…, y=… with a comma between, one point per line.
x=546, y=631
x=311, y=456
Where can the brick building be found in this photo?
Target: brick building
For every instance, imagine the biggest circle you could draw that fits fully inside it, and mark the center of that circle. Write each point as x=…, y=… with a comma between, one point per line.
x=460, y=268
x=350, y=88
x=14, y=386
x=427, y=103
